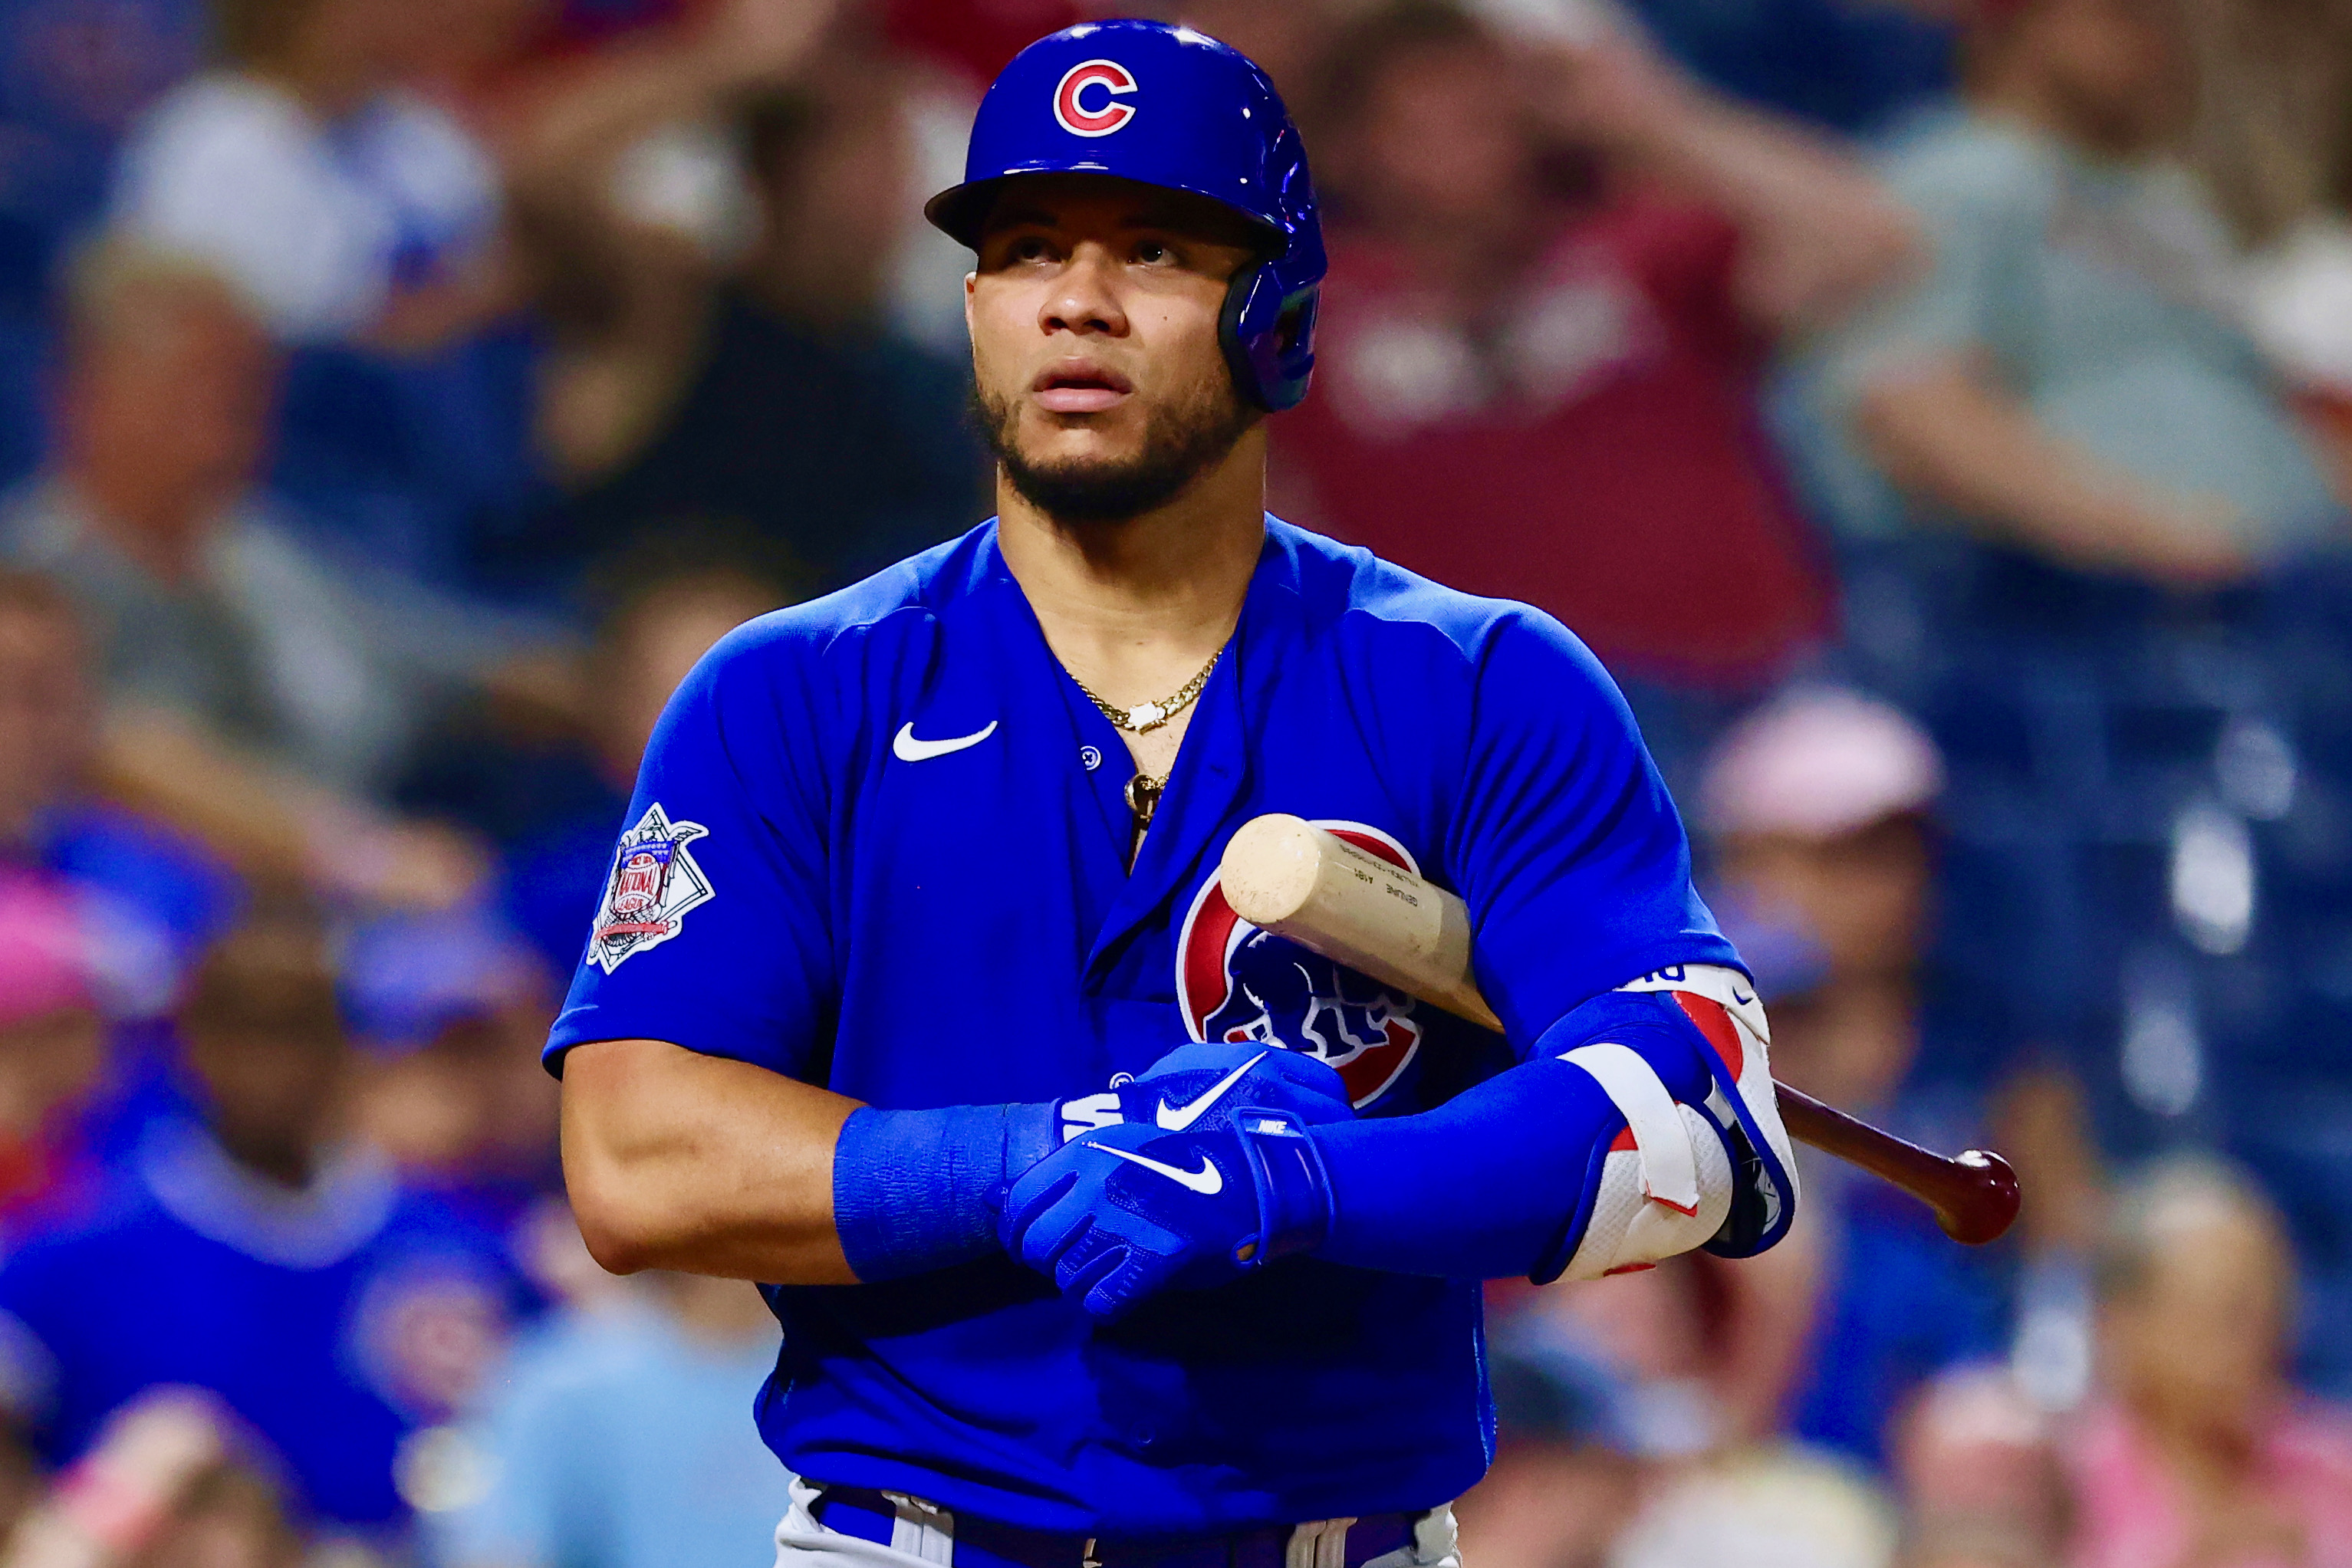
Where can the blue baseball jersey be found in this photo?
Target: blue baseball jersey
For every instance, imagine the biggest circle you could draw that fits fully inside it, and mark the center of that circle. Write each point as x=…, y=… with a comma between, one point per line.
x=879, y=843
x=333, y=1324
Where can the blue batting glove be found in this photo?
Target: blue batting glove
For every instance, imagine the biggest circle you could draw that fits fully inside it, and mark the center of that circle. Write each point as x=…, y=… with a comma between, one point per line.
x=1193, y=1083
x=1195, y=1090
x=1124, y=1212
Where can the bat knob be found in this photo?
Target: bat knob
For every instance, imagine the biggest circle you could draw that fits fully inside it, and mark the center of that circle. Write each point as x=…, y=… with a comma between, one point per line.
x=1986, y=1206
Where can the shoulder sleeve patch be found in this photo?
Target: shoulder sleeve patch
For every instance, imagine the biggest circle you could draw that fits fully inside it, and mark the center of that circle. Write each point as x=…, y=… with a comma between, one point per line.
x=653, y=884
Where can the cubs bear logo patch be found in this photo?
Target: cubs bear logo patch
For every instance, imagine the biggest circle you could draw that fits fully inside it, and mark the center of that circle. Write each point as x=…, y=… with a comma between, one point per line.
x=1235, y=983
x=653, y=881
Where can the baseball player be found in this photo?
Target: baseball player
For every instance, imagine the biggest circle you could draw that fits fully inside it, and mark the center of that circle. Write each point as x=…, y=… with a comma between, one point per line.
x=1106, y=1230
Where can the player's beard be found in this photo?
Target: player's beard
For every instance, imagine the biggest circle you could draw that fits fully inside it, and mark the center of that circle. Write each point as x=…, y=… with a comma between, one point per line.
x=1182, y=440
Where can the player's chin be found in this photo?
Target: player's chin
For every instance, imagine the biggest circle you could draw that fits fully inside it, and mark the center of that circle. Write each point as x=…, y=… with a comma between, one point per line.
x=1111, y=438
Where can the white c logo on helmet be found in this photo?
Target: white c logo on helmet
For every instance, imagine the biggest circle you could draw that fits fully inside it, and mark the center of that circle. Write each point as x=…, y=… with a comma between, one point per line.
x=1108, y=114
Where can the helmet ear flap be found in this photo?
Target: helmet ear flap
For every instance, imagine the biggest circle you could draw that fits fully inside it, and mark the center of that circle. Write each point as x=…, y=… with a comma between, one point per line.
x=1268, y=337
x=1232, y=336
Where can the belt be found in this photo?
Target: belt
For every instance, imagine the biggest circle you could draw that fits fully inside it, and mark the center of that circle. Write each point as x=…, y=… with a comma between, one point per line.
x=887, y=1517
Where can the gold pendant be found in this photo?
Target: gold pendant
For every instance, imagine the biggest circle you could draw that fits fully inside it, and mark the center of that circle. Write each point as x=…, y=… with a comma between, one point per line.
x=1143, y=793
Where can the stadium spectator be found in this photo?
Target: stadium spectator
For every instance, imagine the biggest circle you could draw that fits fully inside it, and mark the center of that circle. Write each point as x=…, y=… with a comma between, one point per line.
x=619, y=1439
x=449, y=1010
x=165, y=411
x=1699, y=1353
x=2202, y=1453
x=257, y=692
x=150, y=897
x=338, y=200
x=1288, y=42
x=1979, y=1469
x=2066, y=378
x=52, y=1041
x=1567, y=1471
x=319, y=171
x=1850, y=67
x=665, y=610
x=976, y=40
x=140, y=899
x=166, y=1486
x=422, y=453
x=1560, y=269
x=1818, y=807
x=776, y=396
x=332, y=1312
x=74, y=76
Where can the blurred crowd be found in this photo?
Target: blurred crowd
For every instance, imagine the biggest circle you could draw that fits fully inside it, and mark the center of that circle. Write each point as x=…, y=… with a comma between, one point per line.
x=1938, y=414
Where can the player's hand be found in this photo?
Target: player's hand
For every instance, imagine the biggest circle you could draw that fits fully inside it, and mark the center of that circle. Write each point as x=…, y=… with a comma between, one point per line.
x=1196, y=1085
x=1196, y=1089
x=1124, y=1212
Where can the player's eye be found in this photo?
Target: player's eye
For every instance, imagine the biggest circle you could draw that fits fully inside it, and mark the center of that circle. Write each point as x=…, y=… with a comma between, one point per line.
x=1031, y=247
x=1153, y=253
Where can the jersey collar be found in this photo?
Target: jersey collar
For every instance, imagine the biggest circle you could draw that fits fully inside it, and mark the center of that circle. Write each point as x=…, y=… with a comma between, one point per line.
x=1214, y=767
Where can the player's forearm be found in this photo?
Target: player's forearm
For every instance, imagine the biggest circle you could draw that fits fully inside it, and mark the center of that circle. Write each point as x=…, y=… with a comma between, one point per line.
x=1643, y=1125
x=675, y=1160
x=1482, y=1187
x=1630, y=1134
x=273, y=824
x=1817, y=230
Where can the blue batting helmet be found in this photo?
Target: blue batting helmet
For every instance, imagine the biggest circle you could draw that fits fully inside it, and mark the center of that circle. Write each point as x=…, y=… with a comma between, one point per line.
x=1166, y=106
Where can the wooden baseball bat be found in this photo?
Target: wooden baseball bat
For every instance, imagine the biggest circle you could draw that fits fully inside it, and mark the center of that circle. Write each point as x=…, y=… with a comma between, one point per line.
x=1285, y=875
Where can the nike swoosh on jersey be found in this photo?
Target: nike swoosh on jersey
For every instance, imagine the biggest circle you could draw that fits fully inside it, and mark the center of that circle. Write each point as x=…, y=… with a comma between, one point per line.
x=1176, y=1118
x=1208, y=1180
x=907, y=748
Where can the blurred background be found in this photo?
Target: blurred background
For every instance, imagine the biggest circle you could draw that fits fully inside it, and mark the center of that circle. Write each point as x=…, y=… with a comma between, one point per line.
x=1937, y=413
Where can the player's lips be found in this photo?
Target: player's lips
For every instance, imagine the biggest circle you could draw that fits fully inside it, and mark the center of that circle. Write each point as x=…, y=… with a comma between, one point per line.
x=1079, y=386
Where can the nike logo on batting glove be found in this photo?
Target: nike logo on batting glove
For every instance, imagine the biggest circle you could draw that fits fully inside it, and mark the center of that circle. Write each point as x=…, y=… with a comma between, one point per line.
x=1176, y=1118
x=1219, y=1201
x=1208, y=1181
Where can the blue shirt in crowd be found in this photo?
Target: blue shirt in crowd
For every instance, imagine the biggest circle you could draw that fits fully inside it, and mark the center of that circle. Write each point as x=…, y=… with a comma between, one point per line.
x=324, y=1319
x=1900, y=1304
x=618, y=1441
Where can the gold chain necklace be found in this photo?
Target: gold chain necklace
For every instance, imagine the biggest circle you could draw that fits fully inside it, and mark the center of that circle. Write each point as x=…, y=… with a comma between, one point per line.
x=1143, y=790
x=1145, y=718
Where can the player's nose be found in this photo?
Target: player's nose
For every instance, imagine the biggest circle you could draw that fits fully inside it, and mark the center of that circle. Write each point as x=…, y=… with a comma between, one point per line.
x=1084, y=296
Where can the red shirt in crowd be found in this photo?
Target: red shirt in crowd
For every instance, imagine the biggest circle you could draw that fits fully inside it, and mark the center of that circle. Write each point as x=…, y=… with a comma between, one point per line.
x=1596, y=450
x=978, y=37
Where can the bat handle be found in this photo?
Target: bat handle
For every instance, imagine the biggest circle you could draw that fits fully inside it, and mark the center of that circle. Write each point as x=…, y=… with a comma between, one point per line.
x=1975, y=1195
